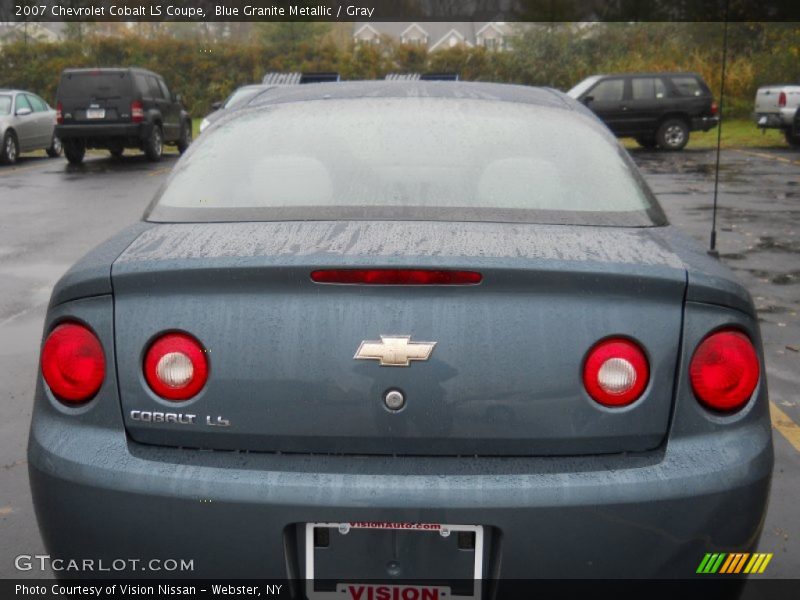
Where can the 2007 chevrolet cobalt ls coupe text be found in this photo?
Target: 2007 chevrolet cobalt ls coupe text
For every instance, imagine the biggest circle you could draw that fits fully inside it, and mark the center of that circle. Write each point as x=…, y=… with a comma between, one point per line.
x=406, y=330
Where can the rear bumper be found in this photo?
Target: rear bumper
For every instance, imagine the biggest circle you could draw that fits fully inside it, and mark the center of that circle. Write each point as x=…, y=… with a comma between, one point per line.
x=98, y=495
x=704, y=123
x=779, y=120
x=104, y=133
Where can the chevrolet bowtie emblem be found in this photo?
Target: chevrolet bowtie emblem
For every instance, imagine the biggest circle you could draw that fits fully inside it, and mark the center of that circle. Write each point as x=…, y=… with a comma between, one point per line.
x=394, y=350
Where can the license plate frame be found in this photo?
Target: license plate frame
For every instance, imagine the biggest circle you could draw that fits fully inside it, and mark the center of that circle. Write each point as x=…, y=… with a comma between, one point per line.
x=95, y=113
x=418, y=528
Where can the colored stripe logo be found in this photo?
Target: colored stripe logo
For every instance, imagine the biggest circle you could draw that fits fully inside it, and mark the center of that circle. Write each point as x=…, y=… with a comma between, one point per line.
x=734, y=563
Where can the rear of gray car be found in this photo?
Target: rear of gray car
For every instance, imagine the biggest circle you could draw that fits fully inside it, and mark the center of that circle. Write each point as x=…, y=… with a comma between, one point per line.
x=365, y=351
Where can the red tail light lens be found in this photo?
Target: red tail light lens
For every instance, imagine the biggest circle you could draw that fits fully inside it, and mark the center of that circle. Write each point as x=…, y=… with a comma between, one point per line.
x=175, y=366
x=616, y=372
x=714, y=109
x=59, y=113
x=137, y=111
x=724, y=370
x=396, y=277
x=782, y=99
x=73, y=363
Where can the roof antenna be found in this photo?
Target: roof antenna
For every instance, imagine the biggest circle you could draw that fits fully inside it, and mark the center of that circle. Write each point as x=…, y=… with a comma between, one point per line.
x=713, y=246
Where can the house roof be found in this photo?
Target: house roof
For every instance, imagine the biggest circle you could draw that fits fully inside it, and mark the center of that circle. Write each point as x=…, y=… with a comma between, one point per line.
x=449, y=36
x=412, y=26
x=436, y=30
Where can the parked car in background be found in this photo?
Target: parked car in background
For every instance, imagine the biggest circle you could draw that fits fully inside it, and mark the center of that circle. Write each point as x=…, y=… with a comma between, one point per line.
x=247, y=93
x=117, y=109
x=27, y=123
x=367, y=334
x=776, y=108
x=657, y=109
x=240, y=97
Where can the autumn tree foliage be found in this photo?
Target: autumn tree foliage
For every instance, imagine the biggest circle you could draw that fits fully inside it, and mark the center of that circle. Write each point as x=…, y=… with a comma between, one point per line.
x=205, y=62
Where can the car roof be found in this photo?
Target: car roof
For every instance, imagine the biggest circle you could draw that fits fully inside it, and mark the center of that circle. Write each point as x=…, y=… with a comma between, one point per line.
x=649, y=74
x=18, y=91
x=456, y=90
x=110, y=70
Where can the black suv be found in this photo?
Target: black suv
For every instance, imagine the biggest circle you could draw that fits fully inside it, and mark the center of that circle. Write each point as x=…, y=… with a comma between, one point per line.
x=117, y=109
x=658, y=109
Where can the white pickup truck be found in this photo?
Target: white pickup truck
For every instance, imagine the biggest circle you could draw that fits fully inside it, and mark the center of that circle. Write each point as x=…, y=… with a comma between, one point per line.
x=776, y=108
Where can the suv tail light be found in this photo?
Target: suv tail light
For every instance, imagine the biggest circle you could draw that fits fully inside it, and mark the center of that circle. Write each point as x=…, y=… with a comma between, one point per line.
x=724, y=370
x=396, y=277
x=59, y=113
x=782, y=99
x=714, y=109
x=137, y=111
x=616, y=372
x=175, y=366
x=73, y=363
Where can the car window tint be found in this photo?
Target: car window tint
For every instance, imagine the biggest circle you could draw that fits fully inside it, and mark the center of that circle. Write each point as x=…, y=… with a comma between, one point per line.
x=687, y=86
x=142, y=85
x=5, y=105
x=610, y=90
x=96, y=84
x=155, y=91
x=648, y=88
x=22, y=102
x=406, y=154
x=37, y=103
x=164, y=90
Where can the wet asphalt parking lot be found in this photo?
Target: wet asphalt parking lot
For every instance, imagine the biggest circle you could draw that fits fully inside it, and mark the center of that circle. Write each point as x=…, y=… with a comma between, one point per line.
x=52, y=213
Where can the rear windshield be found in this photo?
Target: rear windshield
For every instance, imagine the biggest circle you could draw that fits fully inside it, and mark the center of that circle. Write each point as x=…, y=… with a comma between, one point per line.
x=241, y=96
x=408, y=158
x=96, y=84
x=5, y=105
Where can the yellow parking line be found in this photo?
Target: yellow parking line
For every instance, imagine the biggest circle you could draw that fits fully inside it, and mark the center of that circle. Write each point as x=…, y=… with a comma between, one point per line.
x=770, y=156
x=783, y=423
x=160, y=171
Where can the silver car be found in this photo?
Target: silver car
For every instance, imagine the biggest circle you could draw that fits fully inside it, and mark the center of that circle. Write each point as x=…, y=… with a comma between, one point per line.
x=26, y=123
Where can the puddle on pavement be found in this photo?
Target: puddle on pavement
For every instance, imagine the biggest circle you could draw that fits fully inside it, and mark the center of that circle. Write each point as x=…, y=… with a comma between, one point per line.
x=770, y=243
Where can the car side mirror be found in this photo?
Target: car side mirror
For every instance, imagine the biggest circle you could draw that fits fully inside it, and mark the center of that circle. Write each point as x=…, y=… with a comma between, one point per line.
x=587, y=99
x=216, y=105
x=178, y=98
x=23, y=112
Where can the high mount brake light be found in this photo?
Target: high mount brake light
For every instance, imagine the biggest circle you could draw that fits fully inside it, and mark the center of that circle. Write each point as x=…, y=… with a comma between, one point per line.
x=615, y=372
x=73, y=363
x=175, y=366
x=724, y=370
x=396, y=277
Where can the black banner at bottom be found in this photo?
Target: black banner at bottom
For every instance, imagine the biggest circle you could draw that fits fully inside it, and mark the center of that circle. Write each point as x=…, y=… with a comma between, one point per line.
x=706, y=588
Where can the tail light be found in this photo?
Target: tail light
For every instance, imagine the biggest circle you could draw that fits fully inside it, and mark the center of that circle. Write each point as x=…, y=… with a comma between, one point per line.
x=137, y=111
x=724, y=370
x=175, y=366
x=59, y=113
x=615, y=372
x=714, y=109
x=73, y=363
x=396, y=277
x=782, y=99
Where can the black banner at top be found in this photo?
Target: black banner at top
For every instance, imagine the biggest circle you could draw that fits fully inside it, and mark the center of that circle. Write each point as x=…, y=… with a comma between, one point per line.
x=399, y=10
